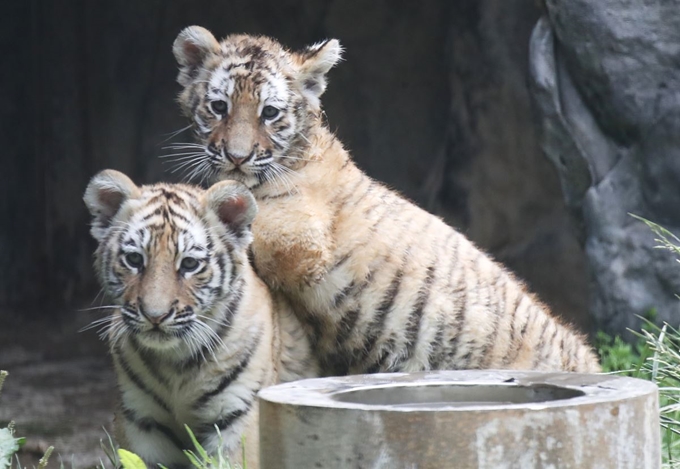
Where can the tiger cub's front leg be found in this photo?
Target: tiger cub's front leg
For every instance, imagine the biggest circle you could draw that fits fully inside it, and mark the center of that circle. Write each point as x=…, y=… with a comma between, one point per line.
x=148, y=439
x=293, y=247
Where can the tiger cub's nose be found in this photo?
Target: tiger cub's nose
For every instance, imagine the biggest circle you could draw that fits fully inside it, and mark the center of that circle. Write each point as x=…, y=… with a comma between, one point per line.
x=156, y=317
x=237, y=159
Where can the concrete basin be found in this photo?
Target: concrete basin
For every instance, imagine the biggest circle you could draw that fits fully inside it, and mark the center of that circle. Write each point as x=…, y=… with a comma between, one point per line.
x=460, y=420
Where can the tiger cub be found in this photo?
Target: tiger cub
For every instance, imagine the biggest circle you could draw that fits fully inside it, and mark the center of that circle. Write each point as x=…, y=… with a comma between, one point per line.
x=380, y=284
x=197, y=333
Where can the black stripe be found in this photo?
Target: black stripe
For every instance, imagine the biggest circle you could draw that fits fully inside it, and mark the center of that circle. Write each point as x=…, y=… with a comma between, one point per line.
x=496, y=316
x=224, y=326
x=155, y=213
x=457, y=327
x=515, y=306
x=148, y=424
x=221, y=265
x=336, y=363
x=386, y=350
x=565, y=365
x=353, y=290
x=150, y=361
x=511, y=357
x=349, y=193
x=132, y=376
x=275, y=196
x=541, y=343
x=314, y=321
x=342, y=294
x=346, y=325
x=341, y=261
x=226, y=421
x=541, y=349
x=526, y=324
x=231, y=376
x=176, y=214
x=368, y=190
x=477, y=346
x=413, y=326
x=387, y=213
x=436, y=349
x=377, y=324
x=223, y=423
x=233, y=305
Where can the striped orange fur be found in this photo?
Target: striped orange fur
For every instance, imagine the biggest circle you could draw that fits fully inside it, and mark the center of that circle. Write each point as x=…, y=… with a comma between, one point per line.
x=196, y=333
x=380, y=284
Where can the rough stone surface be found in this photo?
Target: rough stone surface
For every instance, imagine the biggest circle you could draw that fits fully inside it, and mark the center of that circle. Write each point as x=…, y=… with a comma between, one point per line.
x=575, y=421
x=606, y=80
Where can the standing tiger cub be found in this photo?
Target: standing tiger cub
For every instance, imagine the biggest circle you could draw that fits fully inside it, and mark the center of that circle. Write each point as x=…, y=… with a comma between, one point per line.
x=196, y=334
x=380, y=284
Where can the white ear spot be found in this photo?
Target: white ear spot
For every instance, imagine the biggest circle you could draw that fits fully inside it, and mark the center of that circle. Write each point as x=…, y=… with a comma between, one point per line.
x=105, y=195
x=315, y=62
x=191, y=48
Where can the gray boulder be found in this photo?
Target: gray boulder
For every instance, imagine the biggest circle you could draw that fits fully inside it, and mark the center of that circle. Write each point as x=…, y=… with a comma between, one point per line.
x=605, y=76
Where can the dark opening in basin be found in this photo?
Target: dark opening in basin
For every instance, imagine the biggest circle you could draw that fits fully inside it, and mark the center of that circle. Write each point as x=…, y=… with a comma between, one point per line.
x=455, y=395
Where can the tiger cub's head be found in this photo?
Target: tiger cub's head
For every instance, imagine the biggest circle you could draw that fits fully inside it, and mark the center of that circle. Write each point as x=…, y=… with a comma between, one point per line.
x=252, y=102
x=171, y=256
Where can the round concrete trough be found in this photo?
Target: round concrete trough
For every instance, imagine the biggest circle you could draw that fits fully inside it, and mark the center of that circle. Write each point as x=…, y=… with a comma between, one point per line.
x=461, y=420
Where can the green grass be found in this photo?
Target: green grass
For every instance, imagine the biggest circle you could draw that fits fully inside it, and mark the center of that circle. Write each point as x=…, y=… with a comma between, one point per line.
x=200, y=459
x=654, y=355
x=10, y=443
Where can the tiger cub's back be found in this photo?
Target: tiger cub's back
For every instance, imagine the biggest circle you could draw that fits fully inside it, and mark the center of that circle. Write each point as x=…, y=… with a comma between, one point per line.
x=406, y=292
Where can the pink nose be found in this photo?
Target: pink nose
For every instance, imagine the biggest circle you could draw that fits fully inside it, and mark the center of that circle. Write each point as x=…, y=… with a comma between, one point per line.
x=155, y=317
x=237, y=159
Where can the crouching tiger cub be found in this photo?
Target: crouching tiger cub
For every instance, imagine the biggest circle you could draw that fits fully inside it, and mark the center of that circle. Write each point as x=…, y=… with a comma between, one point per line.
x=197, y=333
x=380, y=284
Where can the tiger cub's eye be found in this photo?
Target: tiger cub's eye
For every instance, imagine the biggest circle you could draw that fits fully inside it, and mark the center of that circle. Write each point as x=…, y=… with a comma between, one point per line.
x=270, y=112
x=134, y=260
x=188, y=264
x=219, y=107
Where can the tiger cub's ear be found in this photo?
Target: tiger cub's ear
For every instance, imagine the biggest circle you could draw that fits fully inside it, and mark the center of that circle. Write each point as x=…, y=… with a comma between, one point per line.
x=234, y=206
x=191, y=48
x=105, y=194
x=314, y=62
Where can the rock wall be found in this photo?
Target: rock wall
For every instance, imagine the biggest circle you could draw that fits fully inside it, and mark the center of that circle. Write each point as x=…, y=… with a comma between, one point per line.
x=606, y=78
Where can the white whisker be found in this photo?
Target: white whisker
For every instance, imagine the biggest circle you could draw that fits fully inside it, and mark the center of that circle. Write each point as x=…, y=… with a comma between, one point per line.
x=300, y=134
x=98, y=307
x=176, y=132
x=102, y=321
x=187, y=165
x=169, y=155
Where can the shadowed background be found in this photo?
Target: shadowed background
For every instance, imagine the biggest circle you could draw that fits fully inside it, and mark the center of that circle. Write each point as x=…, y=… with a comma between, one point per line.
x=432, y=99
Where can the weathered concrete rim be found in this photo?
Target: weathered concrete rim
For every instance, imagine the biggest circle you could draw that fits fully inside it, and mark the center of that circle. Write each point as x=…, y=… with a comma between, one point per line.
x=596, y=388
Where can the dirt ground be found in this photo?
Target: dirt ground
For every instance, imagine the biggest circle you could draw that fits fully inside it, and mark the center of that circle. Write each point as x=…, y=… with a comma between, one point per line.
x=61, y=389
